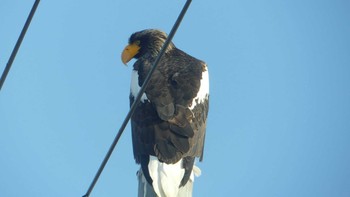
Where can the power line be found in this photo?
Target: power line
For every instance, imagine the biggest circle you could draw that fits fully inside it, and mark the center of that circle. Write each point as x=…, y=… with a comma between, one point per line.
x=138, y=97
x=18, y=44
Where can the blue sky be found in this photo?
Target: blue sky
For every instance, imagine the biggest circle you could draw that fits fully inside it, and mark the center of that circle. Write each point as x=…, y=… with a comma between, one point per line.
x=279, y=122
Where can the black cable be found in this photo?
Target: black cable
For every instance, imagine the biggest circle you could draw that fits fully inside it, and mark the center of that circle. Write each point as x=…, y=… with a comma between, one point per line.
x=138, y=97
x=18, y=44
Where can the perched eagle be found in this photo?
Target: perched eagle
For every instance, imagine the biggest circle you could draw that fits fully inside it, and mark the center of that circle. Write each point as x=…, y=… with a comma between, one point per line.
x=168, y=126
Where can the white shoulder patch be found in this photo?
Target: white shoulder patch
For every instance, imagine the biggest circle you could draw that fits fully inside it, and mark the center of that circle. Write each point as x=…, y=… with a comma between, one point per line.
x=166, y=177
x=203, y=92
x=134, y=86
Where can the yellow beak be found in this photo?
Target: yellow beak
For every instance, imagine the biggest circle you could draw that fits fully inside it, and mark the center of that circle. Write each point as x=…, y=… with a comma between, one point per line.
x=129, y=52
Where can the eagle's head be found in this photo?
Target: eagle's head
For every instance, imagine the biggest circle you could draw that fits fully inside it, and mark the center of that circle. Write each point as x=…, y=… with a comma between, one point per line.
x=146, y=42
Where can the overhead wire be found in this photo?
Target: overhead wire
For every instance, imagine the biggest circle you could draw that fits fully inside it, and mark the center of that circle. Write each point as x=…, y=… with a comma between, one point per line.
x=138, y=97
x=18, y=43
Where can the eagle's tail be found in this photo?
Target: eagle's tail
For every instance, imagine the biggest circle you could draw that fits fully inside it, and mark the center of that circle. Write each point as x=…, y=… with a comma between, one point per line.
x=146, y=190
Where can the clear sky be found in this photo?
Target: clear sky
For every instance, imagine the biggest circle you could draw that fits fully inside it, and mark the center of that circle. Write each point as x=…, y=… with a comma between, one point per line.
x=279, y=121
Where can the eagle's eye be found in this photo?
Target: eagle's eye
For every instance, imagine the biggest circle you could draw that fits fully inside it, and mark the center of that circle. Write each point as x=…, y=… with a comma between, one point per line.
x=137, y=42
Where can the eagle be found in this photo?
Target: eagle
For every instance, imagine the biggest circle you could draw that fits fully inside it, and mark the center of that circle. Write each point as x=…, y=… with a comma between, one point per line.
x=169, y=124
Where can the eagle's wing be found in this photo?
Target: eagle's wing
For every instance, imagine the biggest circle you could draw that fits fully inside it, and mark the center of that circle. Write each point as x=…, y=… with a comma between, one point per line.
x=170, y=123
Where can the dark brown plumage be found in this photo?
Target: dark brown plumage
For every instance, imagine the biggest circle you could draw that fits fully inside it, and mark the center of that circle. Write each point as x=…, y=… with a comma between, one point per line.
x=170, y=121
